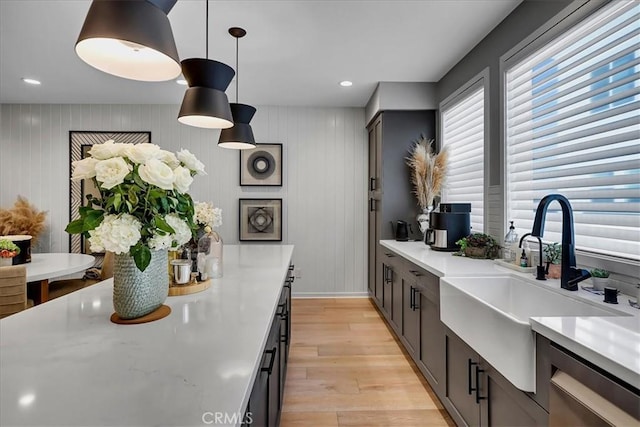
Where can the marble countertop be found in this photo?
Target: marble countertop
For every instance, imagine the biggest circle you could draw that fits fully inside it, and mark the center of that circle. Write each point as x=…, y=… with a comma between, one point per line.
x=612, y=343
x=65, y=363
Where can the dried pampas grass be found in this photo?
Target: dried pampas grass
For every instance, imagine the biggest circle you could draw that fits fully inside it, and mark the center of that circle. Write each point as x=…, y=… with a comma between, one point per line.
x=428, y=171
x=23, y=218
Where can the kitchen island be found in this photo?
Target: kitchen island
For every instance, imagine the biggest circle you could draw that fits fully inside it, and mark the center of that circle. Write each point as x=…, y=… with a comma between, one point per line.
x=65, y=363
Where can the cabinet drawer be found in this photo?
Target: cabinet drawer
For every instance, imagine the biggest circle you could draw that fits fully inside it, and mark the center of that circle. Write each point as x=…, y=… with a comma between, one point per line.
x=428, y=283
x=620, y=395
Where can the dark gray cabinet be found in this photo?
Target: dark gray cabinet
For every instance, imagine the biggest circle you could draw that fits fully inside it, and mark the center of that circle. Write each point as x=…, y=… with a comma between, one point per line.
x=411, y=315
x=267, y=395
x=391, y=136
x=431, y=361
x=478, y=395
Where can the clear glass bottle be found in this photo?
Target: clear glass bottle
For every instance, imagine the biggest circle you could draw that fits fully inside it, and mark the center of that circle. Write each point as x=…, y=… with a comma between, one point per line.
x=210, y=255
x=510, y=250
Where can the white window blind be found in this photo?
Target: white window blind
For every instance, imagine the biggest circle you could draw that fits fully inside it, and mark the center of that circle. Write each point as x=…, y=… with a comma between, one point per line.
x=573, y=128
x=463, y=134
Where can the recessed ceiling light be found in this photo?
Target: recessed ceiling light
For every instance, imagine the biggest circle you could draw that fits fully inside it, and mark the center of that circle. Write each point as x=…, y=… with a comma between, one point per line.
x=346, y=83
x=31, y=81
x=182, y=82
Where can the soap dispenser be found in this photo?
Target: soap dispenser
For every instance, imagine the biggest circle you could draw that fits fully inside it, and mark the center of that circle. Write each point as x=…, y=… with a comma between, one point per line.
x=510, y=250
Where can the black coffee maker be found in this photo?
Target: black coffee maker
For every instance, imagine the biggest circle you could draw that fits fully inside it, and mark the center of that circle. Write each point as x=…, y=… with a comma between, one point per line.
x=446, y=227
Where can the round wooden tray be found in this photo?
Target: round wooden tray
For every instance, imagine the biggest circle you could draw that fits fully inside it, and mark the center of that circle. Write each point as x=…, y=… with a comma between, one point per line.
x=191, y=288
x=158, y=314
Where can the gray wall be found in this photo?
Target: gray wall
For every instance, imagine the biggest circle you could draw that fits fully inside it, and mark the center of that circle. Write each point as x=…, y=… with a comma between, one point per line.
x=524, y=20
x=324, y=188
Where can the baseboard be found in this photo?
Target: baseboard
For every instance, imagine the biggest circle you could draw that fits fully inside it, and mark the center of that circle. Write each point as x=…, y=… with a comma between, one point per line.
x=329, y=294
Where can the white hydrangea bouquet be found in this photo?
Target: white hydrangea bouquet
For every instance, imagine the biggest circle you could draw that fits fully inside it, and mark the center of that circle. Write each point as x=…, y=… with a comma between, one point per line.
x=143, y=203
x=206, y=214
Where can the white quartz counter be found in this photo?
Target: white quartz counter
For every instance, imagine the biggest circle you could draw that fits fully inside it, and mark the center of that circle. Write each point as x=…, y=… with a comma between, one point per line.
x=443, y=263
x=612, y=343
x=64, y=363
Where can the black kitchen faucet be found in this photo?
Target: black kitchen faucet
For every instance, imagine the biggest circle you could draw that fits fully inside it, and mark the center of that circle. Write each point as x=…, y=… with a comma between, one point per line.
x=570, y=275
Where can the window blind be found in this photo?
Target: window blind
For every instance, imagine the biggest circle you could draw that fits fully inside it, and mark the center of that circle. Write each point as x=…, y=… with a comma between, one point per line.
x=573, y=128
x=463, y=134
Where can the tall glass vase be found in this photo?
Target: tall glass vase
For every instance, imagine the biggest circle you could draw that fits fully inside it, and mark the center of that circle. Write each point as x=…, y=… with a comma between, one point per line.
x=423, y=221
x=137, y=293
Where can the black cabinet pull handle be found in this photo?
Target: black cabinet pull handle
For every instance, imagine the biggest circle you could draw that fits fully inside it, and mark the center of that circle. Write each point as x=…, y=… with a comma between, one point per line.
x=470, y=364
x=477, y=389
x=280, y=311
x=388, y=275
x=291, y=267
x=389, y=255
x=411, y=299
x=372, y=184
x=416, y=293
x=269, y=368
x=415, y=273
x=372, y=204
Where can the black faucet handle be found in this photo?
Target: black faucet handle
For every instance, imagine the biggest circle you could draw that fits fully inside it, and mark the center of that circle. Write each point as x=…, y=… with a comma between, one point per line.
x=577, y=275
x=541, y=272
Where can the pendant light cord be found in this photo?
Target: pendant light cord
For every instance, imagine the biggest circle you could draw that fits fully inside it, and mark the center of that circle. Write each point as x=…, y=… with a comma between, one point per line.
x=207, y=30
x=237, y=71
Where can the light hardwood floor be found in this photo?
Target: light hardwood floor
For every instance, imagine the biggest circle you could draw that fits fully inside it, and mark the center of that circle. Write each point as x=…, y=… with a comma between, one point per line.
x=347, y=369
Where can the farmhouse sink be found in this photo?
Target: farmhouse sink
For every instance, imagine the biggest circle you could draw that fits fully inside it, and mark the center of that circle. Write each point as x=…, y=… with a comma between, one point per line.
x=491, y=314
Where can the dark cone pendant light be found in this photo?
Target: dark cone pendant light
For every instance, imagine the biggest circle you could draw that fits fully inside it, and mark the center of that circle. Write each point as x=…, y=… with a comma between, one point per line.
x=240, y=136
x=205, y=103
x=130, y=39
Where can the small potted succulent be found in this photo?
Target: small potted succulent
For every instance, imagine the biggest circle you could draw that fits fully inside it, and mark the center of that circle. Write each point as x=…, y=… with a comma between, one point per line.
x=599, y=278
x=479, y=245
x=8, y=250
x=553, y=256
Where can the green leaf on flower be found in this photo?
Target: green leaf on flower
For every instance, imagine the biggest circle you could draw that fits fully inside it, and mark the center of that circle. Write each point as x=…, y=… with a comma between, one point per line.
x=92, y=220
x=161, y=224
x=133, y=197
x=117, y=201
x=138, y=180
x=165, y=204
x=75, y=227
x=129, y=206
x=141, y=255
x=157, y=193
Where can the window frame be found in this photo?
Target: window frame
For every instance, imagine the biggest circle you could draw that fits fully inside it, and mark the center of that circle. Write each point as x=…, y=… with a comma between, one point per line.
x=479, y=80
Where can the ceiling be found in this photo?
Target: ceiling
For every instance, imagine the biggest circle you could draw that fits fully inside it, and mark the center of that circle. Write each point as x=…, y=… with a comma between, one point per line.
x=295, y=52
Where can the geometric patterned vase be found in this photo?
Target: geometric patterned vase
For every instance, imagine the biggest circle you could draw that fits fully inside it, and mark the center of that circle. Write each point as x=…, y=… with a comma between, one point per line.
x=137, y=293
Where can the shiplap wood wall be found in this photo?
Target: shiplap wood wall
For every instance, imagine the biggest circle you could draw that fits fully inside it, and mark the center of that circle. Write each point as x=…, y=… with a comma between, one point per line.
x=324, y=182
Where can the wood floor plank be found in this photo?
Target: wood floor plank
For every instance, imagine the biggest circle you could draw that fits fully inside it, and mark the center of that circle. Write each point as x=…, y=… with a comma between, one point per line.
x=393, y=418
x=358, y=349
x=347, y=369
x=309, y=419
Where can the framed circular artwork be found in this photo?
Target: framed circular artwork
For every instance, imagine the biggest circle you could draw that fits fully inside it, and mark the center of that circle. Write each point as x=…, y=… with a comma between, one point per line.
x=261, y=166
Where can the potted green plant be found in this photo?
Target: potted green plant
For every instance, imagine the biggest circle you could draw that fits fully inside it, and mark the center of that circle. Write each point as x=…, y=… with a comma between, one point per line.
x=553, y=256
x=479, y=245
x=8, y=250
x=599, y=278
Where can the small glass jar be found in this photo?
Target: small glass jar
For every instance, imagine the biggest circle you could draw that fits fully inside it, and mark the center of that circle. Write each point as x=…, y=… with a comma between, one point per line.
x=209, y=258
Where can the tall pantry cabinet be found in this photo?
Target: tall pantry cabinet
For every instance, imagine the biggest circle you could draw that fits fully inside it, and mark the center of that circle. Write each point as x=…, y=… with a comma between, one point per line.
x=392, y=134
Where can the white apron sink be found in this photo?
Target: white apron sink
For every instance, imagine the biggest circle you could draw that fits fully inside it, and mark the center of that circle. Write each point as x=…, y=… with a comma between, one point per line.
x=491, y=314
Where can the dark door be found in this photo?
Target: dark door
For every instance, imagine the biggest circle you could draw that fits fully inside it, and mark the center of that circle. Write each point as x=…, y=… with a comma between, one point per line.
x=258, y=407
x=411, y=316
x=431, y=339
x=461, y=365
x=373, y=237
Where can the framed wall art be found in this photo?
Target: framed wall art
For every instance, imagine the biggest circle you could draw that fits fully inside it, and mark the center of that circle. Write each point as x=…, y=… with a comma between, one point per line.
x=80, y=142
x=260, y=220
x=261, y=166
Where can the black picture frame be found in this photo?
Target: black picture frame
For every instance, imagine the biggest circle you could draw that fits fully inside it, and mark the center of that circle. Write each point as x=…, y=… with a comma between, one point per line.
x=79, y=144
x=260, y=220
x=261, y=166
